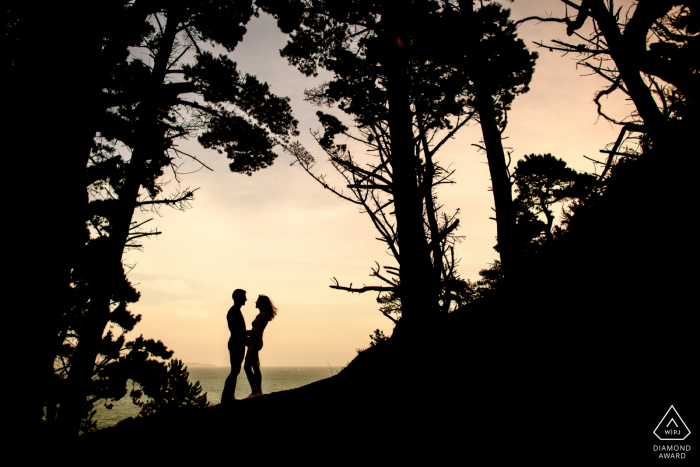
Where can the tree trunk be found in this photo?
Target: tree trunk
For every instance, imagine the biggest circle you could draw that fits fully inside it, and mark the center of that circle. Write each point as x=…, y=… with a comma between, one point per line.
x=500, y=181
x=149, y=145
x=623, y=53
x=418, y=291
x=439, y=269
x=49, y=177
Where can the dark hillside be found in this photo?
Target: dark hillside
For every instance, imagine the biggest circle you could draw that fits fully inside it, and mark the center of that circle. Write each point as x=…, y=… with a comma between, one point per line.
x=579, y=361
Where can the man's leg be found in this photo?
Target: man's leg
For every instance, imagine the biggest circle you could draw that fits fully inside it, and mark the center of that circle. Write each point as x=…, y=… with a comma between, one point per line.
x=236, y=357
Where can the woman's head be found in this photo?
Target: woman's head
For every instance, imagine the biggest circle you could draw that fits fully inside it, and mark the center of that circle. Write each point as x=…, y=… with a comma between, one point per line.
x=264, y=304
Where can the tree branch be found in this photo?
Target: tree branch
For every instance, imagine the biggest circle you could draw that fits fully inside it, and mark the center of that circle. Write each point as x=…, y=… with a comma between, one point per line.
x=366, y=288
x=444, y=233
x=144, y=234
x=187, y=196
x=193, y=157
x=629, y=127
x=371, y=187
x=163, y=92
x=539, y=18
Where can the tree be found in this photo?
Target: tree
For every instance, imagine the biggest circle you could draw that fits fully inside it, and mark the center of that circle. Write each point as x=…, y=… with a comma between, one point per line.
x=108, y=381
x=404, y=107
x=636, y=52
x=656, y=41
x=499, y=67
x=147, y=113
x=541, y=181
x=455, y=293
x=140, y=360
x=377, y=338
x=60, y=133
x=172, y=391
x=397, y=75
x=411, y=75
x=678, y=42
x=491, y=280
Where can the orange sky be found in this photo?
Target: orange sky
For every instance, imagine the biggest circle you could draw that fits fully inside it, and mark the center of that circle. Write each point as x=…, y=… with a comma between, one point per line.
x=281, y=234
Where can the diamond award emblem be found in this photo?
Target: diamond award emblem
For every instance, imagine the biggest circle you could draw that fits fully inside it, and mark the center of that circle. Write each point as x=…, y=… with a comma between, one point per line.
x=671, y=427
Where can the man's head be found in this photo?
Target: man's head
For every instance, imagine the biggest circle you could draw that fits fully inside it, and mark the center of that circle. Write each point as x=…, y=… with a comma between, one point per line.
x=239, y=297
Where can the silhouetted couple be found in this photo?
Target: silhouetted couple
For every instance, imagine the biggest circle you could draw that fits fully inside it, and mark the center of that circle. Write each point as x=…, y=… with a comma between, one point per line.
x=240, y=338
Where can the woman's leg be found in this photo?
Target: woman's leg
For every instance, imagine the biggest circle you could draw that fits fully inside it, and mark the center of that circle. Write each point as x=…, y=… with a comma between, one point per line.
x=251, y=377
x=258, y=379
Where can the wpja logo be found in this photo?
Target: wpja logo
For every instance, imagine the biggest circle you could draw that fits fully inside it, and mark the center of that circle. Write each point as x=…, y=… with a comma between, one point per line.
x=672, y=428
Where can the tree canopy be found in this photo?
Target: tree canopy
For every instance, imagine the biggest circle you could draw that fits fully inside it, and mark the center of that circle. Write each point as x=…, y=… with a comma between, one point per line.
x=143, y=107
x=410, y=76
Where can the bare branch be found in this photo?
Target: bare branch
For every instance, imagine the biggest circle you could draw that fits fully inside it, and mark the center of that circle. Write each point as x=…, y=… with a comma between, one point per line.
x=444, y=233
x=194, y=42
x=385, y=229
x=178, y=58
x=144, y=234
x=191, y=156
x=389, y=316
x=371, y=187
x=572, y=4
x=593, y=160
x=452, y=133
x=375, y=273
x=355, y=169
x=139, y=225
x=364, y=289
x=629, y=127
x=604, y=92
x=306, y=161
x=317, y=96
x=186, y=197
x=199, y=107
x=540, y=19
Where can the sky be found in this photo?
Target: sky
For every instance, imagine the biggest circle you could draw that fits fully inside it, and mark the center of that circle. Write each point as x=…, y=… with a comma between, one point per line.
x=279, y=233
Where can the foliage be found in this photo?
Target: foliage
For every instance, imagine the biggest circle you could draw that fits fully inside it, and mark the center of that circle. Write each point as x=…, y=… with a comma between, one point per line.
x=678, y=34
x=454, y=294
x=141, y=107
x=542, y=181
x=377, y=338
x=648, y=53
x=117, y=360
x=390, y=304
x=491, y=279
x=493, y=54
x=249, y=145
x=396, y=74
x=497, y=67
x=637, y=53
x=169, y=390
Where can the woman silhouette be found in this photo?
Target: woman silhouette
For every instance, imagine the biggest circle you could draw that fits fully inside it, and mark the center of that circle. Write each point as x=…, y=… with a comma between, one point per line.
x=268, y=311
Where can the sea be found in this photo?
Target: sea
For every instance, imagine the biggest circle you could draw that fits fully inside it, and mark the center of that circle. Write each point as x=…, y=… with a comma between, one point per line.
x=212, y=379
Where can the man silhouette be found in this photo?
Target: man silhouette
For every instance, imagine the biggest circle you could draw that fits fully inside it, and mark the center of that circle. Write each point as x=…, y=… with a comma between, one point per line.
x=236, y=344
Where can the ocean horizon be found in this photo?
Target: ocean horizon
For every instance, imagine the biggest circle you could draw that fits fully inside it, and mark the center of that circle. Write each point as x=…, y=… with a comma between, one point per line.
x=212, y=379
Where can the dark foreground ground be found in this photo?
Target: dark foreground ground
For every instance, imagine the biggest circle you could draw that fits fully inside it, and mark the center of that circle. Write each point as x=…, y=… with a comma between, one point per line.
x=501, y=394
x=577, y=362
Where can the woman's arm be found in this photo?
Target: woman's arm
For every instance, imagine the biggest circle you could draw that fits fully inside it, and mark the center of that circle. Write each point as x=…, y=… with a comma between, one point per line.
x=258, y=325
